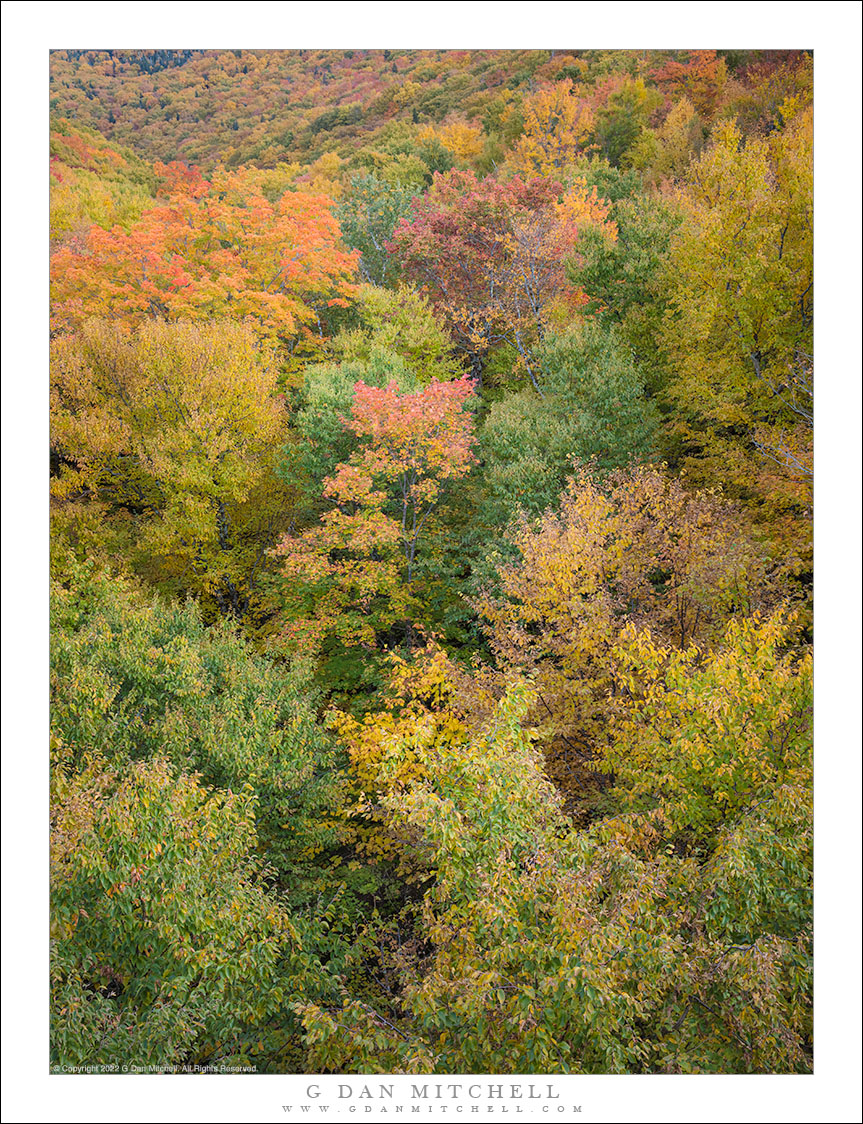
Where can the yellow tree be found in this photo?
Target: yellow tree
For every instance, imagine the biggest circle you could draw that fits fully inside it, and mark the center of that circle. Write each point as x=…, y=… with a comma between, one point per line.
x=458, y=137
x=558, y=126
x=738, y=332
x=666, y=153
x=636, y=550
x=177, y=424
x=708, y=735
x=637, y=946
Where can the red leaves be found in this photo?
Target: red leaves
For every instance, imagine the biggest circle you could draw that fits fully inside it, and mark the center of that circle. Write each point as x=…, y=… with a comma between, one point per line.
x=412, y=444
x=178, y=178
x=701, y=78
x=491, y=255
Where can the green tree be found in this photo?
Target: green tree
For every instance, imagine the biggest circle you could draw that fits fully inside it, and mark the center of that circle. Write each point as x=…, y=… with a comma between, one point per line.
x=593, y=409
x=319, y=440
x=621, y=119
x=666, y=153
x=403, y=323
x=625, y=278
x=166, y=948
x=133, y=680
x=198, y=835
x=710, y=735
x=368, y=215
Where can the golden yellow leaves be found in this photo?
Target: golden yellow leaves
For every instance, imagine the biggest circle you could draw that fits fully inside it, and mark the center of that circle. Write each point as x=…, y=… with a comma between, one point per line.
x=463, y=140
x=557, y=128
x=393, y=749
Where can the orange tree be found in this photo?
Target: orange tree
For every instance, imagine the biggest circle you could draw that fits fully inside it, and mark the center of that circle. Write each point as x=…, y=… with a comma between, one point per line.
x=214, y=248
x=350, y=575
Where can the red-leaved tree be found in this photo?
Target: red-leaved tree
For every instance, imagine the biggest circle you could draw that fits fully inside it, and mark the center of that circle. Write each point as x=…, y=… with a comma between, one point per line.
x=491, y=255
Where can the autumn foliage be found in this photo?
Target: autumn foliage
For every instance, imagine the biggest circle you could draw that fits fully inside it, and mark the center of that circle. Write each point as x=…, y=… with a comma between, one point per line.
x=216, y=247
x=364, y=550
x=491, y=256
x=431, y=500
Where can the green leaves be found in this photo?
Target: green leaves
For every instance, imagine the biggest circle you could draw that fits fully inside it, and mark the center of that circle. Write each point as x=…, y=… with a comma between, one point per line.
x=163, y=941
x=343, y=577
x=600, y=950
x=132, y=681
x=195, y=808
x=368, y=216
x=593, y=410
x=591, y=854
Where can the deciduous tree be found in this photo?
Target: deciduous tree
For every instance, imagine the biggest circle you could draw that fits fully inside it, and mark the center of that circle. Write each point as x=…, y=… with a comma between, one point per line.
x=593, y=410
x=368, y=215
x=411, y=446
x=216, y=248
x=600, y=951
x=558, y=127
x=491, y=257
x=635, y=549
x=180, y=425
x=399, y=322
x=738, y=330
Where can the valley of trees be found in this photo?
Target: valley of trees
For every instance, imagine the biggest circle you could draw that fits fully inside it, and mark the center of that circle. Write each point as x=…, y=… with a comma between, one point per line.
x=431, y=573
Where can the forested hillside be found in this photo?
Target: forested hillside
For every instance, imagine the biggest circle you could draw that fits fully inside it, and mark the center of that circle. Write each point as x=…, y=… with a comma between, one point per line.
x=431, y=497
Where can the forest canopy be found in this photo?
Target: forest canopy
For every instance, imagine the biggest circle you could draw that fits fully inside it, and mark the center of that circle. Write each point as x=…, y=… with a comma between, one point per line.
x=431, y=526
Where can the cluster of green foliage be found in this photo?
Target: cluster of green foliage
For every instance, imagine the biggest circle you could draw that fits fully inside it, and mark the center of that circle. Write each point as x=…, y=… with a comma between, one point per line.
x=196, y=833
x=431, y=491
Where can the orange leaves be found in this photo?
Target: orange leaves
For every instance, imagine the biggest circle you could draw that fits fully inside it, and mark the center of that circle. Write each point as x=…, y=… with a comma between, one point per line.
x=346, y=579
x=701, y=78
x=215, y=248
x=416, y=441
x=581, y=206
x=178, y=178
x=422, y=434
